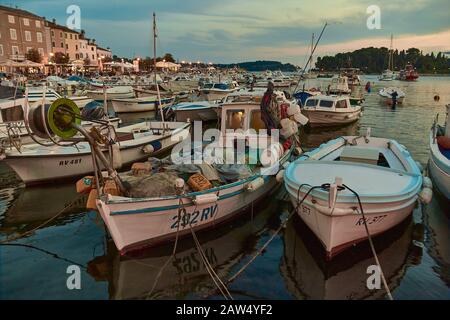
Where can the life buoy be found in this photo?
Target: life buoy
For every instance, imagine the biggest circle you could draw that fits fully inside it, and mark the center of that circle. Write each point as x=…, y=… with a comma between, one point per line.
x=443, y=142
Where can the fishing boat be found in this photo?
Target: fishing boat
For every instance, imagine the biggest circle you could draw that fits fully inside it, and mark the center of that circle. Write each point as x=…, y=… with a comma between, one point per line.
x=216, y=91
x=36, y=164
x=142, y=104
x=36, y=94
x=136, y=222
x=408, y=74
x=387, y=95
x=325, y=110
x=118, y=92
x=195, y=111
x=339, y=86
x=359, y=182
x=439, y=163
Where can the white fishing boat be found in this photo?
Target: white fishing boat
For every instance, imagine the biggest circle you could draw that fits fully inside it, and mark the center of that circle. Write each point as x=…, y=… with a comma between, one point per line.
x=439, y=163
x=388, y=94
x=36, y=164
x=324, y=110
x=142, y=104
x=118, y=92
x=36, y=94
x=388, y=74
x=137, y=222
x=195, y=111
x=216, y=91
x=380, y=171
x=339, y=86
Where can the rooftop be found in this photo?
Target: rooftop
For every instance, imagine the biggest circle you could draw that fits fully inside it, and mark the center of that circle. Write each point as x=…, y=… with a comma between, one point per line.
x=19, y=12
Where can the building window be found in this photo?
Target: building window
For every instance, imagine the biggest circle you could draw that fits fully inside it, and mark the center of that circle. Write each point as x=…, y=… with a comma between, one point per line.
x=11, y=19
x=92, y=48
x=15, y=50
x=38, y=24
x=60, y=35
x=53, y=33
x=13, y=34
x=29, y=48
x=41, y=51
x=27, y=35
x=62, y=45
x=93, y=58
x=1, y=49
x=39, y=36
x=76, y=37
x=53, y=44
x=67, y=46
x=81, y=55
x=65, y=34
x=26, y=22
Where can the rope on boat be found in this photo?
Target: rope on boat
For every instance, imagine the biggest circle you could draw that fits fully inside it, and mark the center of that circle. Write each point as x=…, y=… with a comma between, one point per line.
x=281, y=227
x=7, y=240
x=371, y=242
x=174, y=250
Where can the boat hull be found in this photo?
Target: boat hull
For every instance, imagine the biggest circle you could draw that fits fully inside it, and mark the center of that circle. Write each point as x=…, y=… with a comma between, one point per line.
x=137, y=224
x=337, y=233
x=125, y=106
x=196, y=115
x=327, y=118
x=439, y=168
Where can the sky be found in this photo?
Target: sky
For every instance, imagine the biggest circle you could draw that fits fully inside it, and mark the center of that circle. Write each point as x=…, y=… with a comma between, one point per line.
x=229, y=31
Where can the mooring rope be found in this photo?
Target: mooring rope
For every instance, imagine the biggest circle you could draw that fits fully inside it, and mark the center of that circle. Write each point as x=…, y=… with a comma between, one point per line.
x=372, y=247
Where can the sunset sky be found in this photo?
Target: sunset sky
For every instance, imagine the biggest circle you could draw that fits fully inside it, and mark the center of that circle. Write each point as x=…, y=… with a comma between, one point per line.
x=245, y=30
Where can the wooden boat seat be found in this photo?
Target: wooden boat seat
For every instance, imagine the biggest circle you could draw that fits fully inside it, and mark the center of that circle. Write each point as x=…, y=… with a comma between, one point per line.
x=361, y=155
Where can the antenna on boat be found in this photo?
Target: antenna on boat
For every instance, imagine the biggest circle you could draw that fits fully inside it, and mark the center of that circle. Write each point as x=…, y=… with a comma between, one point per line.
x=154, y=70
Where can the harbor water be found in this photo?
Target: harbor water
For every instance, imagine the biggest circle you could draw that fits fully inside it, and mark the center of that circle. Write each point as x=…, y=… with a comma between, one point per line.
x=415, y=256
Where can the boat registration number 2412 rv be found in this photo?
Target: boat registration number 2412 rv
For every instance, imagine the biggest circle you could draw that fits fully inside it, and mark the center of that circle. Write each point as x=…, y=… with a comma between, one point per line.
x=371, y=220
x=194, y=217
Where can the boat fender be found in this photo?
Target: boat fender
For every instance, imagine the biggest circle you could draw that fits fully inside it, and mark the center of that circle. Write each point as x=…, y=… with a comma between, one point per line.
x=280, y=176
x=152, y=147
x=301, y=119
x=443, y=142
x=255, y=184
x=205, y=198
x=293, y=109
x=426, y=195
x=271, y=155
x=85, y=184
x=117, y=156
x=426, y=183
x=298, y=151
x=179, y=183
x=91, y=203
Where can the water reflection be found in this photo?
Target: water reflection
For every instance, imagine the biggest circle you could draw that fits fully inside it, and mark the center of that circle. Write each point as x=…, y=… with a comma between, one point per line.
x=34, y=206
x=309, y=276
x=185, y=274
x=313, y=137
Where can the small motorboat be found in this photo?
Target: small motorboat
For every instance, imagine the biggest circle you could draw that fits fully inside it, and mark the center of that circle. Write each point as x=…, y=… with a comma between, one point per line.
x=339, y=85
x=36, y=94
x=216, y=91
x=353, y=177
x=118, y=92
x=439, y=163
x=388, y=95
x=325, y=110
x=408, y=74
x=195, y=111
x=142, y=104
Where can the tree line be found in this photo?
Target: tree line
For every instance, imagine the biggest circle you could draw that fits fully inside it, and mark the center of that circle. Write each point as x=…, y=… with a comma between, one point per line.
x=375, y=60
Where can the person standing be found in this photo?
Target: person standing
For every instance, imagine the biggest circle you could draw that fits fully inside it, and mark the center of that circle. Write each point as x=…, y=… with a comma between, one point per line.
x=265, y=105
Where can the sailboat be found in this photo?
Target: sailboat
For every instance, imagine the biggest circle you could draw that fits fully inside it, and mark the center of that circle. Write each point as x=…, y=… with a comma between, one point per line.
x=388, y=74
x=310, y=74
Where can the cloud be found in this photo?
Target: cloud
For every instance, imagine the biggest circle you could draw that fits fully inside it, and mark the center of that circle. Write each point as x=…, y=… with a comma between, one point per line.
x=235, y=30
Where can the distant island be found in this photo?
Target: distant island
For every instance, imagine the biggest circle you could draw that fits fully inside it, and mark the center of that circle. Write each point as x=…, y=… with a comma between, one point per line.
x=260, y=65
x=375, y=60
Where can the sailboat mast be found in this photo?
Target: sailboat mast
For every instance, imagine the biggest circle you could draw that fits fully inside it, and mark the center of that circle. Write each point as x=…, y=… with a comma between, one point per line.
x=154, y=65
x=391, y=61
x=312, y=47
